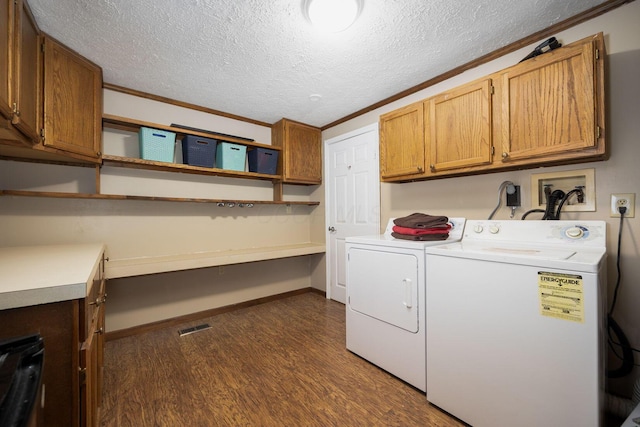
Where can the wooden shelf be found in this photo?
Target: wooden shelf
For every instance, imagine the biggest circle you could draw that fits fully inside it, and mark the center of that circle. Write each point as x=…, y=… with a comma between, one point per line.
x=133, y=125
x=129, y=162
x=129, y=267
x=60, y=195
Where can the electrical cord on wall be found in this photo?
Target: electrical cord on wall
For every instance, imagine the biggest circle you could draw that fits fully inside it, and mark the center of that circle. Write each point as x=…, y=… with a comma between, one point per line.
x=627, y=356
x=510, y=188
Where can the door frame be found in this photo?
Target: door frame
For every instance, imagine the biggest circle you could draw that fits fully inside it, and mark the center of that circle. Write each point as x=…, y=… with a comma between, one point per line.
x=374, y=127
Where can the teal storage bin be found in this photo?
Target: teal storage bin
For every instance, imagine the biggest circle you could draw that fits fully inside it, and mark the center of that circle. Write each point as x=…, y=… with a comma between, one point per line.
x=231, y=156
x=157, y=145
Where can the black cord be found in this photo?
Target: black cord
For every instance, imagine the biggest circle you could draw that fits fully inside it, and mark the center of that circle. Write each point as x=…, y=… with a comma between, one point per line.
x=622, y=342
x=617, y=287
x=526, y=214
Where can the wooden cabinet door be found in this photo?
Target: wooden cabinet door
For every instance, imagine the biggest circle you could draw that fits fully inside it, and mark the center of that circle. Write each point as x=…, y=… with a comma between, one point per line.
x=6, y=52
x=72, y=102
x=21, y=69
x=402, y=142
x=301, y=151
x=549, y=104
x=458, y=127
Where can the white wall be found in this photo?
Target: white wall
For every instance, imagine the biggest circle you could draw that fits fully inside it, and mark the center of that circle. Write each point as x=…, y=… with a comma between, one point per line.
x=476, y=196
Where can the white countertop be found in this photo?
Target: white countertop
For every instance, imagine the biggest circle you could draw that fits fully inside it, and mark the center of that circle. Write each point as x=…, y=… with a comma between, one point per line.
x=32, y=275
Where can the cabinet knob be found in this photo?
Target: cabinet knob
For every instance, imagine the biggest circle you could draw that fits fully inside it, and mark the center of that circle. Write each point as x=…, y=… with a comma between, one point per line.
x=99, y=331
x=505, y=155
x=419, y=168
x=432, y=167
x=332, y=229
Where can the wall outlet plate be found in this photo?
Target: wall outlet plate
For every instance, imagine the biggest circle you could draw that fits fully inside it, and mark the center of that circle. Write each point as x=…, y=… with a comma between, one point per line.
x=628, y=200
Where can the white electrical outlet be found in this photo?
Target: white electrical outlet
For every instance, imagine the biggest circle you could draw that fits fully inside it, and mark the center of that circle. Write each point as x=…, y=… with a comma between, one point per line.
x=627, y=200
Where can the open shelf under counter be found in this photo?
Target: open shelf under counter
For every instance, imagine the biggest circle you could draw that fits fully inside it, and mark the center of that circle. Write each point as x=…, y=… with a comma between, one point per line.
x=61, y=195
x=129, y=267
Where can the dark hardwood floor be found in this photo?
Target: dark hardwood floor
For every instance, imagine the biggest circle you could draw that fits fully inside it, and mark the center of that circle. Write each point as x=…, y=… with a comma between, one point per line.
x=283, y=363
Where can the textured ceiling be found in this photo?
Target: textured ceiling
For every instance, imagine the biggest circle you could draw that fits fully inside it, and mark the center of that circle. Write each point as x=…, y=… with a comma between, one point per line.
x=262, y=60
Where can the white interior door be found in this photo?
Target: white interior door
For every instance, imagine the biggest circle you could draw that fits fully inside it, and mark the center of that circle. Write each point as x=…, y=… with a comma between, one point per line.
x=352, y=198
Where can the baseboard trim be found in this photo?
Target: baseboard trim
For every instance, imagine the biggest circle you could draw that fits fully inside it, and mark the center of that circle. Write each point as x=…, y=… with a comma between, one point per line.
x=174, y=321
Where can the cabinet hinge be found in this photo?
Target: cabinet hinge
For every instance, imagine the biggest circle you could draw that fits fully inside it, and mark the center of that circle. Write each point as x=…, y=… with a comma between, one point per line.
x=42, y=47
x=597, y=52
x=598, y=132
x=42, y=133
x=493, y=150
x=493, y=89
x=82, y=374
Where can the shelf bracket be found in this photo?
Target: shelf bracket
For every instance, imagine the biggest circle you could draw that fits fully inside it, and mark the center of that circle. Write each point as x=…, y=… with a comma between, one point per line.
x=277, y=190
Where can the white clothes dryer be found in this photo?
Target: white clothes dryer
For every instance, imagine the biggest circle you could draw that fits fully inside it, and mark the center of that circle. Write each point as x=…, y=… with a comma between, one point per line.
x=516, y=317
x=385, y=313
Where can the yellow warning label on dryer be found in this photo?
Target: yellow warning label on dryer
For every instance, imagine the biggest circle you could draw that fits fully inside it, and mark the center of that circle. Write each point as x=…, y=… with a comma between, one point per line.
x=561, y=296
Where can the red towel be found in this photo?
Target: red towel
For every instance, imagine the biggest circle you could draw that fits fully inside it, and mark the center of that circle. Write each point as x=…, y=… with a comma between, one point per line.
x=422, y=231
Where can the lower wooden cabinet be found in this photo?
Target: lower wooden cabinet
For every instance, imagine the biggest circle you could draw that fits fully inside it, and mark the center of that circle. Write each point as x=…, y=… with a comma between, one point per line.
x=72, y=376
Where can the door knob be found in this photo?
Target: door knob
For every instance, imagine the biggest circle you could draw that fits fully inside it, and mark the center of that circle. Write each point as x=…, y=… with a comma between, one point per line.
x=332, y=229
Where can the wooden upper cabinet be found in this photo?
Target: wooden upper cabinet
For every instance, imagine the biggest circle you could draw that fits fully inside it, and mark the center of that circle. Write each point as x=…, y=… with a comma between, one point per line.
x=458, y=127
x=553, y=104
x=6, y=53
x=301, y=145
x=72, y=102
x=20, y=69
x=402, y=143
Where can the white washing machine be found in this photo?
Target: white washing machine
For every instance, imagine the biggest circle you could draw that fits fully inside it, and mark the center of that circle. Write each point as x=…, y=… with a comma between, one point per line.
x=515, y=313
x=385, y=311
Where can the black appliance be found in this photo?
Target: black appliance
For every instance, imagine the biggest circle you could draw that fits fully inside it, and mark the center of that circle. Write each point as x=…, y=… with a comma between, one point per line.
x=21, y=363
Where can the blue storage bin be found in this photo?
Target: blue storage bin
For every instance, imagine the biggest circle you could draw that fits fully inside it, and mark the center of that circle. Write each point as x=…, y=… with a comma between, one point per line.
x=231, y=156
x=263, y=160
x=198, y=151
x=158, y=145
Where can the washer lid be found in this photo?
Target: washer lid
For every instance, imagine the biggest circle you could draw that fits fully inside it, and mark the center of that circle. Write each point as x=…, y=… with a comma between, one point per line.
x=538, y=253
x=587, y=259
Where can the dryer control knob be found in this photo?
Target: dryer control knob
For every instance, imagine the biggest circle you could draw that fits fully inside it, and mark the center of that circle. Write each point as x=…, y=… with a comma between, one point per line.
x=494, y=229
x=478, y=228
x=574, y=232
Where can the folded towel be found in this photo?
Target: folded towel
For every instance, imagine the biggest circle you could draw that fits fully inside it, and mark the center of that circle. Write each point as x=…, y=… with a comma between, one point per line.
x=420, y=231
x=420, y=220
x=422, y=238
